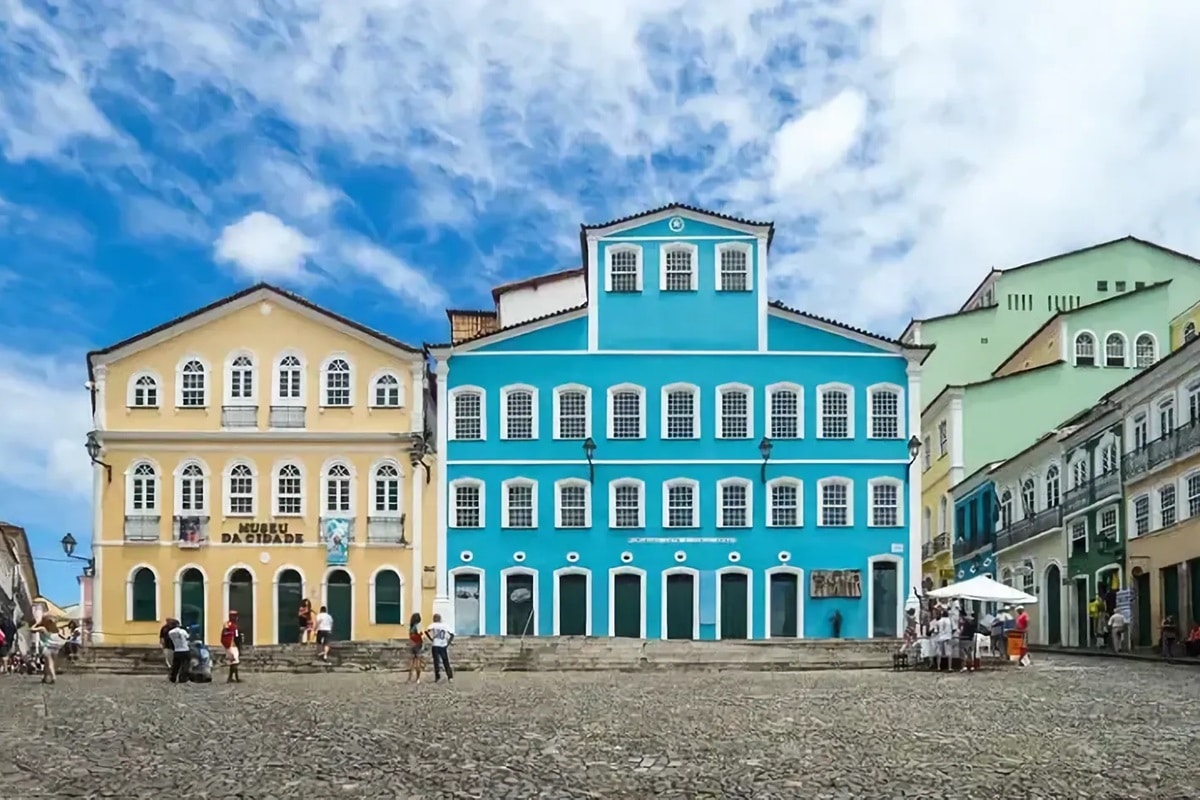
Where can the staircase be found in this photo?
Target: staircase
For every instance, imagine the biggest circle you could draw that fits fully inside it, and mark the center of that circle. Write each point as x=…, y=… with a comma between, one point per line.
x=534, y=654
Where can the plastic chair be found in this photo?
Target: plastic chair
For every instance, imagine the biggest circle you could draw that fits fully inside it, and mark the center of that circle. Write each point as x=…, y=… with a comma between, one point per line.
x=983, y=645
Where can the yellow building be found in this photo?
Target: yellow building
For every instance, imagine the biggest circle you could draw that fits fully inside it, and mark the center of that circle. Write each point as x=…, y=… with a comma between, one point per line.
x=252, y=453
x=1184, y=327
x=942, y=467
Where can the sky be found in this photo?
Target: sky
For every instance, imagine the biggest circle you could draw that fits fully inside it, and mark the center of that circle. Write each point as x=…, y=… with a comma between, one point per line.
x=386, y=158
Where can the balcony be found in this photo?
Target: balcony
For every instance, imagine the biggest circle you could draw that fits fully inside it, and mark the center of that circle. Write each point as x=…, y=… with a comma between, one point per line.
x=142, y=528
x=287, y=416
x=239, y=416
x=966, y=547
x=1095, y=490
x=386, y=531
x=926, y=551
x=941, y=543
x=190, y=532
x=1176, y=444
x=1025, y=529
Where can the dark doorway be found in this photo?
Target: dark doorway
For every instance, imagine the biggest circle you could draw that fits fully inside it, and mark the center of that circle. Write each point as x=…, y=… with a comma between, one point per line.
x=885, y=599
x=785, y=594
x=339, y=599
x=1141, y=596
x=627, y=605
x=1054, y=605
x=289, y=591
x=1169, y=578
x=466, y=604
x=520, y=605
x=735, y=605
x=1193, y=572
x=681, y=606
x=191, y=600
x=572, y=604
x=1083, y=623
x=241, y=600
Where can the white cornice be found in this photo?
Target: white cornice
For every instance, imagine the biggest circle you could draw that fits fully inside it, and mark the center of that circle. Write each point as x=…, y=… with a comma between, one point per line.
x=650, y=219
x=941, y=404
x=288, y=437
x=854, y=336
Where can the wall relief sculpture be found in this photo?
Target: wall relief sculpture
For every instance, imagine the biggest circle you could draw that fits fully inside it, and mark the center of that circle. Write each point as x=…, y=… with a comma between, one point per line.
x=835, y=583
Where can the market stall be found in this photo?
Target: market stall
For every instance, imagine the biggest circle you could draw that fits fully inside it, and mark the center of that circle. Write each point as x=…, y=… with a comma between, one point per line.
x=986, y=590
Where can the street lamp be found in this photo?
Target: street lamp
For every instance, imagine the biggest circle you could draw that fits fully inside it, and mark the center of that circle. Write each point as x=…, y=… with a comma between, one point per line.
x=93, y=451
x=764, y=450
x=68, y=545
x=914, y=449
x=589, y=450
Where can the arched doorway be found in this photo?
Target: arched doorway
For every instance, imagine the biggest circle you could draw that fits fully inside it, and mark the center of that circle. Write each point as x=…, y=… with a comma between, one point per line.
x=679, y=606
x=289, y=591
x=1053, y=605
x=191, y=599
x=339, y=599
x=241, y=600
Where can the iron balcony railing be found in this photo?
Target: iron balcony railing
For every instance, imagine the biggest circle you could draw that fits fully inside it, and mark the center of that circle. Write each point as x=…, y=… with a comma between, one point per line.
x=1096, y=489
x=1024, y=529
x=142, y=528
x=190, y=531
x=287, y=416
x=239, y=416
x=1176, y=444
x=941, y=543
x=386, y=530
x=965, y=547
x=926, y=551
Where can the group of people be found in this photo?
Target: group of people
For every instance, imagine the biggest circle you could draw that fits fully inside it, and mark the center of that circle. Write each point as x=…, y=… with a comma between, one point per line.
x=941, y=634
x=439, y=636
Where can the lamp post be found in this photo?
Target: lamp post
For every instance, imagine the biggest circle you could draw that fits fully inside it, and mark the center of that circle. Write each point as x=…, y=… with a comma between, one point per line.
x=93, y=450
x=764, y=449
x=589, y=450
x=68, y=545
x=914, y=449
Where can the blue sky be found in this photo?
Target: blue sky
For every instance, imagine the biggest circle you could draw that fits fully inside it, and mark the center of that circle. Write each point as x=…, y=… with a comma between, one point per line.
x=389, y=157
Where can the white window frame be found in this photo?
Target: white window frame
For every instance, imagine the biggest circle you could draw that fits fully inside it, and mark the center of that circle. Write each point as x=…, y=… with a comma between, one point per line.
x=835, y=387
x=326, y=468
x=275, y=496
x=795, y=483
x=131, y=389
x=1161, y=404
x=227, y=496
x=1096, y=347
x=452, y=501
x=697, y=412
x=1189, y=331
x=943, y=432
x=835, y=479
x=1029, y=501
x=769, y=393
x=666, y=510
x=1142, y=416
x=229, y=399
x=351, y=371
x=640, y=485
x=1080, y=522
x=720, y=394
x=276, y=372
x=372, y=491
x=452, y=397
x=156, y=481
x=694, y=255
x=205, y=488
x=574, y=483
x=1158, y=506
x=559, y=391
x=900, y=500
x=927, y=453
x=608, y=259
x=518, y=481
x=926, y=525
x=641, y=393
x=1133, y=516
x=943, y=515
x=1007, y=509
x=1185, y=490
x=1124, y=350
x=373, y=389
x=748, y=485
x=1153, y=349
x=741, y=247
x=897, y=390
x=1053, y=477
x=534, y=402
x=208, y=379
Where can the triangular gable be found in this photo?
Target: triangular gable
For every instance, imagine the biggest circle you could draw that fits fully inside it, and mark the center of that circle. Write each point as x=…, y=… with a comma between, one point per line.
x=685, y=212
x=787, y=326
x=561, y=330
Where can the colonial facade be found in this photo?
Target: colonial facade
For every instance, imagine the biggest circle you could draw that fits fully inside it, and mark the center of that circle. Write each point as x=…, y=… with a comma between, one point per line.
x=975, y=519
x=250, y=454
x=649, y=447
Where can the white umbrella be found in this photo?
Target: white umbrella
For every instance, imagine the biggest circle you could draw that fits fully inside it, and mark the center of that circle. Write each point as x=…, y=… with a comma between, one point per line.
x=983, y=589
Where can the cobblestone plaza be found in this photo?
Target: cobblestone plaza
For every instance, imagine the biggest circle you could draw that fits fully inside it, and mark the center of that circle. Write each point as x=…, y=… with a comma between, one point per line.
x=1063, y=729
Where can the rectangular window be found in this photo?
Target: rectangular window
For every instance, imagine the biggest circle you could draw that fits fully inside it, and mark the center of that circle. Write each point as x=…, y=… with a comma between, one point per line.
x=1141, y=516
x=1108, y=524
x=681, y=507
x=926, y=454
x=679, y=267
x=1079, y=537
x=520, y=506
x=192, y=388
x=623, y=271
x=785, y=414
x=289, y=495
x=1119, y=286
x=627, y=506
x=735, y=270
x=785, y=505
x=518, y=407
x=1101, y=286
x=681, y=414
x=835, y=504
x=572, y=507
x=885, y=414
x=1193, y=497
x=835, y=414
x=735, y=414
x=1166, y=506
x=572, y=415
x=468, y=512
x=626, y=415
x=885, y=505
x=468, y=417
x=943, y=438
x=735, y=511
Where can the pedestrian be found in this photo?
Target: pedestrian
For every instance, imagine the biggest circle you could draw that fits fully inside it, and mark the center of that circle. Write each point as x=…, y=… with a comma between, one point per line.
x=179, y=653
x=231, y=640
x=1169, y=635
x=440, y=636
x=324, y=631
x=1022, y=627
x=164, y=641
x=943, y=635
x=47, y=631
x=305, y=620
x=970, y=656
x=416, y=648
x=1118, y=631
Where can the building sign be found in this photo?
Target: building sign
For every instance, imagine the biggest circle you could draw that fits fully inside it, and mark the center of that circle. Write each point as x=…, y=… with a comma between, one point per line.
x=682, y=540
x=262, y=533
x=835, y=583
x=335, y=535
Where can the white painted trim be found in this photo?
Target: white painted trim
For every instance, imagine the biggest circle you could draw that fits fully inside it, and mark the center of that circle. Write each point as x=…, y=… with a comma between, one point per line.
x=1126, y=355
x=276, y=474
x=158, y=587
x=534, y=402
x=99, y=407
x=627, y=387
x=275, y=610
x=587, y=573
x=1154, y=356
x=1110, y=567
x=784, y=480
x=743, y=246
x=373, y=479
x=323, y=488
x=562, y=483
x=323, y=389
x=768, y=415
x=870, y=581
x=157, y=488
x=452, y=497
x=740, y=237
x=593, y=308
x=373, y=386
x=693, y=252
x=99, y=484
x=476, y=571
x=671, y=483
x=623, y=248
x=748, y=485
x=886, y=346
x=371, y=591
x=558, y=392
x=253, y=596
x=749, y=573
x=762, y=290
x=353, y=592
x=695, y=575
x=848, y=390
x=276, y=371
x=273, y=440
x=612, y=501
x=227, y=474
x=719, y=422
x=498, y=462
x=1044, y=605
x=613, y=572
x=208, y=381
x=901, y=423
x=537, y=599
x=253, y=369
x=1097, y=348
x=131, y=388
x=416, y=538
x=451, y=397
x=179, y=595
x=443, y=603
x=800, y=594
x=835, y=479
x=916, y=475
x=416, y=416
x=774, y=353
x=886, y=481
x=697, y=412
x=505, y=485
x=205, y=509
x=642, y=220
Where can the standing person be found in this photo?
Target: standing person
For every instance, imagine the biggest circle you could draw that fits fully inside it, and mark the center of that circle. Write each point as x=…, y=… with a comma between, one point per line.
x=9, y=630
x=416, y=648
x=970, y=627
x=231, y=640
x=179, y=653
x=324, y=631
x=1022, y=627
x=306, y=621
x=1118, y=631
x=164, y=639
x=943, y=635
x=1169, y=635
x=47, y=631
x=440, y=637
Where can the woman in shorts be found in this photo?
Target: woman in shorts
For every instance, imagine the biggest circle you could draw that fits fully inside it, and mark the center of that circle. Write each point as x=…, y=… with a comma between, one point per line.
x=47, y=631
x=305, y=620
x=416, y=644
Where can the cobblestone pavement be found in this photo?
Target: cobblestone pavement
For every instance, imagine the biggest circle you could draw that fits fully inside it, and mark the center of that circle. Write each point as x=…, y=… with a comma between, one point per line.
x=1062, y=729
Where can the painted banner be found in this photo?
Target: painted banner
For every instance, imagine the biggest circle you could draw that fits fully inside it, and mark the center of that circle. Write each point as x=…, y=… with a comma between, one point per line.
x=335, y=533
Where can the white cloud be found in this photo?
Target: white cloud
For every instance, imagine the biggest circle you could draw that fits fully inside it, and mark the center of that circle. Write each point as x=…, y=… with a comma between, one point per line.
x=807, y=147
x=393, y=273
x=262, y=247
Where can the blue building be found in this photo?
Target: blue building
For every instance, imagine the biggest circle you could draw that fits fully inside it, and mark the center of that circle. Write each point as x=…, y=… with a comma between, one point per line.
x=647, y=446
x=975, y=516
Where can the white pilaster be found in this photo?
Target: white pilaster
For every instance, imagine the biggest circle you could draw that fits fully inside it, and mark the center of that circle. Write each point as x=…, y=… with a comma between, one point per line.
x=99, y=487
x=762, y=289
x=442, y=603
x=100, y=377
x=593, y=291
x=417, y=416
x=913, y=397
x=417, y=502
x=955, y=432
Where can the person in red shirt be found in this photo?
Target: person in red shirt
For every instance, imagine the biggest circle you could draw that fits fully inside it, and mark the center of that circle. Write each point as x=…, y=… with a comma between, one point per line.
x=1023, y=627
x=231, y=640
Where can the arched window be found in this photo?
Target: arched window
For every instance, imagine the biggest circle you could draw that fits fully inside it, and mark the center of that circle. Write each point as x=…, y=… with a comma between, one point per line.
x=1114, y=350
x=926, y=525
x=289, y=380
x=143, y=595
x=336, y=384
x=1144, y=350
x=386, y=391
x=143, y=391
x=1053, y=487
x=191, y=496
x=1189, y=332
x=1029, y=497
x=388, y=595
x=193, y=385
x=1085, y=350
x=1108, y=458
x=1079, y=471
x=289, y=491
x=240, y=386
x=1006, y=509
x=385, y=491
x=338, y=491
x=240, y=493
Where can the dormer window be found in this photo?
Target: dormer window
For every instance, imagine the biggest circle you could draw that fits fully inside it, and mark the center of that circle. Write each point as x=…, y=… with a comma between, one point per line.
x=678, y=269
x=624, y=272
x=733, y=268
